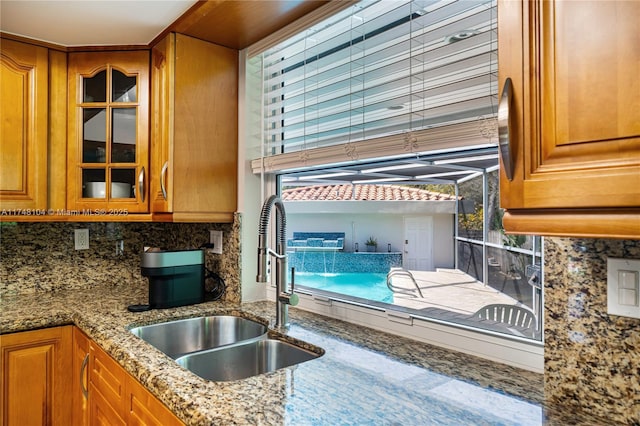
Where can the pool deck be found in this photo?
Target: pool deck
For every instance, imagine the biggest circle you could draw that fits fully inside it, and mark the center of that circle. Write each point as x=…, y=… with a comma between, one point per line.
x=447, y=289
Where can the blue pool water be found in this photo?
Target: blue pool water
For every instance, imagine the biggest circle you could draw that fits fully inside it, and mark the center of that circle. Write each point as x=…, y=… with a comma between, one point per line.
x=371, y=286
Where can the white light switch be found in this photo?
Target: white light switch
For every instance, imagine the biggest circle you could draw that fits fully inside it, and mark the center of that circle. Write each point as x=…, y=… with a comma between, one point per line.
x=627, y=297
x=623, y=287
x=628, y=279
x=628, y=288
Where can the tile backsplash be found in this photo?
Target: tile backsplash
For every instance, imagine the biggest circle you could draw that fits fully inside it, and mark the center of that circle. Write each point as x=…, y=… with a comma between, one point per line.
x=592, y=359
x=41, y=256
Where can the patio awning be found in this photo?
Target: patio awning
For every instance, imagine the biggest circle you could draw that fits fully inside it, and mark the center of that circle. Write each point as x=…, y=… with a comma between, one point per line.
x=448, y=167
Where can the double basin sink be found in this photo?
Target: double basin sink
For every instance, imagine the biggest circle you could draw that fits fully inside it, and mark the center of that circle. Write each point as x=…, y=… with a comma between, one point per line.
x=223, y=347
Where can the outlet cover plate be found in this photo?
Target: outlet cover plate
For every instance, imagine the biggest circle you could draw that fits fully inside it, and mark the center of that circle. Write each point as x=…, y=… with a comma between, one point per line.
x=215, y=238
x=81, y=239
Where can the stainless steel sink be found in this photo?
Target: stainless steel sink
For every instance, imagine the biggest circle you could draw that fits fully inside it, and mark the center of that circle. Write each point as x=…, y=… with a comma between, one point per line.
x=177, y=338
x=245, y=360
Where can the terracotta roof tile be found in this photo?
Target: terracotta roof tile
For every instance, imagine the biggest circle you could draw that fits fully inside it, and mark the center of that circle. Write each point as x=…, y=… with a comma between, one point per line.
x=346, y=192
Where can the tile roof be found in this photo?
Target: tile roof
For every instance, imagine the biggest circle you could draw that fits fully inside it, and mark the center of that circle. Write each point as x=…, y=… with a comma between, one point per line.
x=345, y=192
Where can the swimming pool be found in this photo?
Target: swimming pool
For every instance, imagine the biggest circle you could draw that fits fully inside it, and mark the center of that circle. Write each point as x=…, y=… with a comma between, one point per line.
x=371, y=286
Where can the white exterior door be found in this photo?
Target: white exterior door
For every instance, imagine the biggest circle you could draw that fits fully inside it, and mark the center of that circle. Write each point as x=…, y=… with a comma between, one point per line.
x=418, y=243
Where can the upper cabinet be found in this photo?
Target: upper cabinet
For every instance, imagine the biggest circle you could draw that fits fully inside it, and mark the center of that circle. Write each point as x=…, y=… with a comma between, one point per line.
x=23, y=117
x=194, y=143
x=571, y=117
x=137, y=135
x=108, y=132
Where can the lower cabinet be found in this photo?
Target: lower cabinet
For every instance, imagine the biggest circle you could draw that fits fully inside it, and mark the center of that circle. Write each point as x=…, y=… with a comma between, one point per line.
x=107, y=393
x=144, y=409
x=101, y=412
x=116, y=398
x=35, y=380
x=80, y=378
x=41, y=368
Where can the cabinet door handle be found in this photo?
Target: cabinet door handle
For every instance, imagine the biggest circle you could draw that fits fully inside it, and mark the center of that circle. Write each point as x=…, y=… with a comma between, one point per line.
x=163, y=174
x=141, y=184
x=85, y=391
x=504, y=129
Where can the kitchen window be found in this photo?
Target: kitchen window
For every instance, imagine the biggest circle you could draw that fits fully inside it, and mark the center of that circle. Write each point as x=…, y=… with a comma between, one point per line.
x=396, y=93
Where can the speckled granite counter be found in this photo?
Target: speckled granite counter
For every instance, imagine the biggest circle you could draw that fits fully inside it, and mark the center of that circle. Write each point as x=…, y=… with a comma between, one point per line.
x=365, y=376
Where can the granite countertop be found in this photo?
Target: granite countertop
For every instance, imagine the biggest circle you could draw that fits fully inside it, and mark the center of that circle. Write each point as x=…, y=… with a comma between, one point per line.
x=364, y=377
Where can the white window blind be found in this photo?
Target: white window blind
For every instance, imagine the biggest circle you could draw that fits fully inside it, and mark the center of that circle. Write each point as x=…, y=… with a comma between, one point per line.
x=380, y=68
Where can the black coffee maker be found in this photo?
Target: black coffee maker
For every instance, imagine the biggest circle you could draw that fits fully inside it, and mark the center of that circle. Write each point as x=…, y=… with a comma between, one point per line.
x=176, y=277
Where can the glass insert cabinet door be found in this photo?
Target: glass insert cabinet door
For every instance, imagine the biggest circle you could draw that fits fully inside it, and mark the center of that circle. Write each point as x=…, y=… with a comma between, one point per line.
x=108, y=132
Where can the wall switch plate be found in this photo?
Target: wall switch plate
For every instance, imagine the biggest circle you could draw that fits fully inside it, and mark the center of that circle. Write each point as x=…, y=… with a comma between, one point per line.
x=215, y=238
x=623, y=287
x=81, y=239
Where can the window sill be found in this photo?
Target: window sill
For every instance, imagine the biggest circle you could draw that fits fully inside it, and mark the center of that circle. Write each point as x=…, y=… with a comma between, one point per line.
x=510, y=350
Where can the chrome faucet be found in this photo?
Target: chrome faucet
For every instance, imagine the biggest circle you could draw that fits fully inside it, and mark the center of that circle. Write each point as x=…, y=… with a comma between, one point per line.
x=284, y=296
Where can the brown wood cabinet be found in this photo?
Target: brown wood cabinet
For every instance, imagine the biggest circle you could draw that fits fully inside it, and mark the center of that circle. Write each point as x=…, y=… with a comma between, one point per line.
x=107, y=397
x=105, y=394
x=23, y=125
x=194, y=145
x=36, y=383
x=80, y=378
x=77, y=147
x=144, y=409
x=108, y=132
x=58, y=376
x=116, y=398
x=574, y=117
x=102, y=413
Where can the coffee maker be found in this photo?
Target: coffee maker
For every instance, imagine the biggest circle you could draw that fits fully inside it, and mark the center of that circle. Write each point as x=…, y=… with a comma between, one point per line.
x=176, y=277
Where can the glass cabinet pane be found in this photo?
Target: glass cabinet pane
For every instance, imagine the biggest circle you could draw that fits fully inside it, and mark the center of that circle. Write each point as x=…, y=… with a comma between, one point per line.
x=94, y=135
x=95, y=88
x=93, y=183
x=109, y=129
x=123, y=183
x=123, y=135
x=123, y=87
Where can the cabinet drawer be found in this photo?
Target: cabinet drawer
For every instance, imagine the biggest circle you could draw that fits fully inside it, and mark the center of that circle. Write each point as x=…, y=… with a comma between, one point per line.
x=144, y=409
x=102, y=413
x=108, y=378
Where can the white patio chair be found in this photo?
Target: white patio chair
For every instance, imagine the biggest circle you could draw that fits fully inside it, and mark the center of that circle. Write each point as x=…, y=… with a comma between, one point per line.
x=513, y=315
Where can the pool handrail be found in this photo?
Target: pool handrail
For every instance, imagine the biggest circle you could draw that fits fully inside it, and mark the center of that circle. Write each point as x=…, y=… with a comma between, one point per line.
x=402, y=271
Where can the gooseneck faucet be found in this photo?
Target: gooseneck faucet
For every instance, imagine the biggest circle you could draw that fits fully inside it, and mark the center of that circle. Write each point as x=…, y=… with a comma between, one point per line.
x=284, y=296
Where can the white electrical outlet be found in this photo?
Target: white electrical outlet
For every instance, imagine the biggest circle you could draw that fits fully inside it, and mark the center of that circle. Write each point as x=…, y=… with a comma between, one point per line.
x=81, y=238
x=215, y=238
